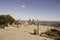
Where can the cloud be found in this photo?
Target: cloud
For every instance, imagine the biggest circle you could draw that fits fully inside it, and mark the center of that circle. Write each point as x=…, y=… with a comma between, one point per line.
x=23, y=6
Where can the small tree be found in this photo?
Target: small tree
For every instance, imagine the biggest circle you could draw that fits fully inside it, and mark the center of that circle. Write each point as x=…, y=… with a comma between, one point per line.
x=5, y=19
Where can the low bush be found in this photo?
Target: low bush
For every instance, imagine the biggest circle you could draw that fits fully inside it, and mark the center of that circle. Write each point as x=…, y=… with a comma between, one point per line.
x=2, y=26
x=53, y=32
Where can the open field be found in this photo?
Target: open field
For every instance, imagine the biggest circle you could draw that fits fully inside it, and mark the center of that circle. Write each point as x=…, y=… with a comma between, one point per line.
x=22, y=33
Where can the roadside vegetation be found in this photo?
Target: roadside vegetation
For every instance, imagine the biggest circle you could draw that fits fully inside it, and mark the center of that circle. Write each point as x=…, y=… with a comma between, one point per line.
x=5, y=19
x=53, y=33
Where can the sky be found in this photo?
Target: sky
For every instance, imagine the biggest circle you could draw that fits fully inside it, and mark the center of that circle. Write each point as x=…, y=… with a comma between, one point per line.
x=44, y=10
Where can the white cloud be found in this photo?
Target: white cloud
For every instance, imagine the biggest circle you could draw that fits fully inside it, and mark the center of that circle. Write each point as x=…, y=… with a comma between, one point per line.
x=23, y=6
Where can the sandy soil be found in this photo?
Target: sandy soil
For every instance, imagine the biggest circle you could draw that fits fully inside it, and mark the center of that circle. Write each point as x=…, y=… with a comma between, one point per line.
x=22, y=33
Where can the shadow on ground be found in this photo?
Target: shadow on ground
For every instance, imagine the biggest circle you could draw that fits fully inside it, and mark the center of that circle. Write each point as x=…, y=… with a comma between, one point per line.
x=32, y=33
x=57, y=39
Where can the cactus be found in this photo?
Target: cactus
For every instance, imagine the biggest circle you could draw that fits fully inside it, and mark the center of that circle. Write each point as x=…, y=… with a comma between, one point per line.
x=35, y=31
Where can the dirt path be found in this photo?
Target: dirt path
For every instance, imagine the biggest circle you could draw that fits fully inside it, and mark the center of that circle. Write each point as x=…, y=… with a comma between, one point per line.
x=22, y=33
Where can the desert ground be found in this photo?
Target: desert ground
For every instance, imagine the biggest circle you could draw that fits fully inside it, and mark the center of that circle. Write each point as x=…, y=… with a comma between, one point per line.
x=22, y=33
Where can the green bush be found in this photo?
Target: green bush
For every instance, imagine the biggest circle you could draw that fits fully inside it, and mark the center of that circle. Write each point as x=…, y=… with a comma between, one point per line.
x=53, y=32
x=48, y=32
x=2, y=26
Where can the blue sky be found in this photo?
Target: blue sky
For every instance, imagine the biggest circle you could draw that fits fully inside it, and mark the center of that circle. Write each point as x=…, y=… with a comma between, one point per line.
x=44, y=10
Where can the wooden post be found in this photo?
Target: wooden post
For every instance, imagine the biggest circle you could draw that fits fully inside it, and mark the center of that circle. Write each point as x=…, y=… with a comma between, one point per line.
x=37, y=28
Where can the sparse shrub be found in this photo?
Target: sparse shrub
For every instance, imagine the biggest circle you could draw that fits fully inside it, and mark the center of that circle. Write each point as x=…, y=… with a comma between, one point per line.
x=2, y=26
x=53, y=32
x=48, y=32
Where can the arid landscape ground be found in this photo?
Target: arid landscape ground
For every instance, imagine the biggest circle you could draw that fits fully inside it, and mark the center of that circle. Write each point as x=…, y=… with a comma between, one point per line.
x=29, y=19
x=22, y=33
